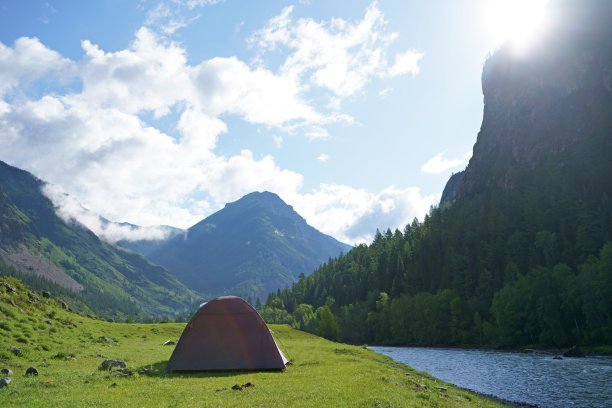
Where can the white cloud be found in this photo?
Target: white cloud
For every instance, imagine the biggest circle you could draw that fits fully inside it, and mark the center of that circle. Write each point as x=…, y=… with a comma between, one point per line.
x=228, y=85
x=174, y=25
x=29, y=60
x=238, y=27
x=334, y=103
x=405, y=63
x=106, y=154
x=200, y=130
x=71, y=211
x=126, y=171
x=160, y=12
x=323, y=158
x=114, y=164
x=167, y=17
x=149, y=76
x=230, y=179
x=385, y=92
x=337, y=55
x=218, y=86
x=353, y=215
x=122, y=168
x=439, y=164
x=317, y=132
x=191, y=4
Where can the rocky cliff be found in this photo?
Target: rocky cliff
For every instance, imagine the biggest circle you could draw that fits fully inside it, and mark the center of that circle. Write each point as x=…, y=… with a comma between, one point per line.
x=549, y=108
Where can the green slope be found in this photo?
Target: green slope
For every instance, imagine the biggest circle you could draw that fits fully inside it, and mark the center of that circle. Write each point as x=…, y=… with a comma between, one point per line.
x=113, y=282
x=68, y=349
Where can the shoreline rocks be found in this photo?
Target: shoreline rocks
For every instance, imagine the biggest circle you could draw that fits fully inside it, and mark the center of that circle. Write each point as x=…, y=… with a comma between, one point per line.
x=574, y=352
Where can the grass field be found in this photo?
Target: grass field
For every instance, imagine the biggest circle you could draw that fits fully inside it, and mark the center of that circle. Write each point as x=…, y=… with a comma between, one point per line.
x=68, y=349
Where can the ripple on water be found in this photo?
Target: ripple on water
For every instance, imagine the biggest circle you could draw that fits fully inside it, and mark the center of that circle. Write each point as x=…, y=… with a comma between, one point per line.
x=534, y=378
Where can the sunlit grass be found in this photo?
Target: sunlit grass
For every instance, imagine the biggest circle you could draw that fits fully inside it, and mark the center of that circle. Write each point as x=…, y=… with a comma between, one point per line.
x=68, y=349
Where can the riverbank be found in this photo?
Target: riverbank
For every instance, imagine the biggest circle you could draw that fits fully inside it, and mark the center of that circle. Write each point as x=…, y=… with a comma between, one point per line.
x=521, y=378
x=572, y=352
x=67, y=350
x=589, y=351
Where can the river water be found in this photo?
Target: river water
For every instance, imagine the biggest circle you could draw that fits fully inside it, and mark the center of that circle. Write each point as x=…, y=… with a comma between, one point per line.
x=533, y=378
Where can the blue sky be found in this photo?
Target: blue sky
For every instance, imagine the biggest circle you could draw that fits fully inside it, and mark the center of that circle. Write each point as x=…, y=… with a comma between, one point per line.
x=159, y=112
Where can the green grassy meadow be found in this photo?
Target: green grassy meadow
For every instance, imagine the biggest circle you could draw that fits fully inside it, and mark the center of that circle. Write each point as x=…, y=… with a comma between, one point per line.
x=68, y=349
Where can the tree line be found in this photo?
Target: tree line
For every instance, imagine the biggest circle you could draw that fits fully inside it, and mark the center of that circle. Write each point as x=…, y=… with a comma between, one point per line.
x=508, y=268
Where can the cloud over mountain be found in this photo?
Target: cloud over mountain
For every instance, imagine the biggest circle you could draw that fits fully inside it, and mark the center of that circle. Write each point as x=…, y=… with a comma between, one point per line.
x=93, y=129
x=439, y=164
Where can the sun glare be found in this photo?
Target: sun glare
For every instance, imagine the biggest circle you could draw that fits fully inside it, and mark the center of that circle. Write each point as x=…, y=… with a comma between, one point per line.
x=516, y=21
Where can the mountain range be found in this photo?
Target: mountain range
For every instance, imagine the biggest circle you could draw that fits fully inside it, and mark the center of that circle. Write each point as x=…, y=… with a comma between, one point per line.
x=251, y=247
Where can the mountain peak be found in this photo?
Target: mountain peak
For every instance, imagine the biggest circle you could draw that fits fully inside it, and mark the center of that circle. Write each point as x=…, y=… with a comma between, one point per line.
x=265, y=198
x=252, y=246
x=264, y=201
x=261, y=195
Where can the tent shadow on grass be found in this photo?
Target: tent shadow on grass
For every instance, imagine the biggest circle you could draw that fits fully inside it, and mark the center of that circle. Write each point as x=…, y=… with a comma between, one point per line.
x=159, y=370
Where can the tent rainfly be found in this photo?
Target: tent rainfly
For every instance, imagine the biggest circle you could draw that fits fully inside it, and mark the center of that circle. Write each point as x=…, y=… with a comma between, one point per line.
x=226, y=334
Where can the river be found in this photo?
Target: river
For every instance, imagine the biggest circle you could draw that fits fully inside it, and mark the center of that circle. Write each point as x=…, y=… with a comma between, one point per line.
x=533, y=378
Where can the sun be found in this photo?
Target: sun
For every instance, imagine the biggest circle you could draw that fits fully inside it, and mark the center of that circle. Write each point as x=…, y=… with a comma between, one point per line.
x=516, y=21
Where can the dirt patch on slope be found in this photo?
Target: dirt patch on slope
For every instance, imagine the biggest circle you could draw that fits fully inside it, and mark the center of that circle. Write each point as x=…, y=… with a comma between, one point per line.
x=36, y=264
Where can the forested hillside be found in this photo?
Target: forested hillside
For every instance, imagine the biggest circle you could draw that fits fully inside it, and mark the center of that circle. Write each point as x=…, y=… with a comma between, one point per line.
x=67, y=259
x=519, y=252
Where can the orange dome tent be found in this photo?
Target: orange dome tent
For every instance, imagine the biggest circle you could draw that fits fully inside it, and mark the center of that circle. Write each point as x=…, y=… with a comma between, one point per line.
x=226, y=334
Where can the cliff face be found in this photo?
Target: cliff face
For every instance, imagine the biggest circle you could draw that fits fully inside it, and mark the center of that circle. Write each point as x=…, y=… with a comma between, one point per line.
x=550, y=110
x=450, y=190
